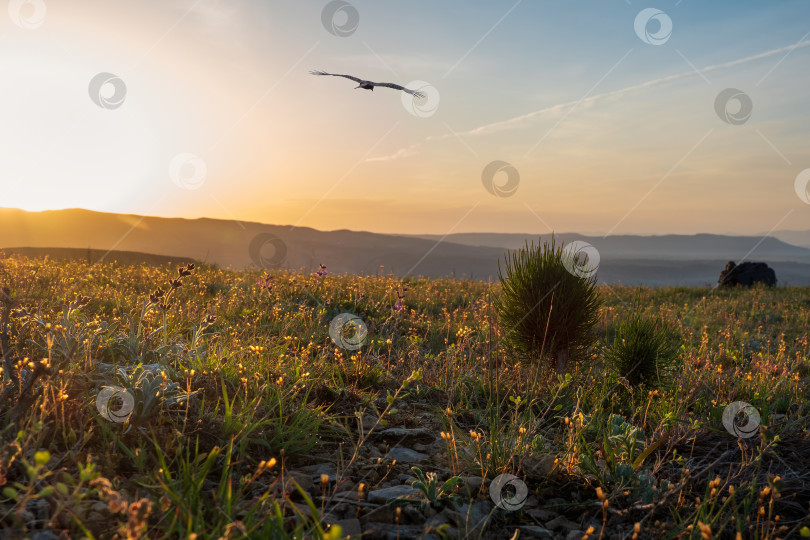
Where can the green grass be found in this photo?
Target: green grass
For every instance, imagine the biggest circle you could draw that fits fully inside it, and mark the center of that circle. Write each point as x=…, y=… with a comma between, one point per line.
x=644, y=353
x=249, y=387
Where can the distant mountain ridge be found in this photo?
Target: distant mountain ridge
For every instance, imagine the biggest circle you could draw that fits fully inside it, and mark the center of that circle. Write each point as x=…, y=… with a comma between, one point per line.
x=650, y=260
x=659, y=247
x=797, y=238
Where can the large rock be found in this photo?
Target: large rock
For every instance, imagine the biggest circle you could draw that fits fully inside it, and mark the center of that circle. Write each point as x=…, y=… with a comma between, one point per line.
x=747, y=274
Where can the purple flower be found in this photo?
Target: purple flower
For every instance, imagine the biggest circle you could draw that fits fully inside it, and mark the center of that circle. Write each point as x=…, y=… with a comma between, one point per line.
x=266, y=282
x=322, y=271
x=399, y=306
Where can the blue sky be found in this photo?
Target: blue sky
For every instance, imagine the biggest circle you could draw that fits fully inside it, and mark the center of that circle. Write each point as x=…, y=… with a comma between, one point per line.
x=608, y=134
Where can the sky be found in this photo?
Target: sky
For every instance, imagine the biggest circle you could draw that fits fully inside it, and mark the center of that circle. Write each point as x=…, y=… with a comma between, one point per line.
x=610, y=117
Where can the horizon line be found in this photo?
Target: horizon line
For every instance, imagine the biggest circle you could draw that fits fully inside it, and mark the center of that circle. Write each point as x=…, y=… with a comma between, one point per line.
x=585, y=234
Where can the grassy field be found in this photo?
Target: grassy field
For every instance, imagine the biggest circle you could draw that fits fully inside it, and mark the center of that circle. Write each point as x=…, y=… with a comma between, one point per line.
x=248, y=420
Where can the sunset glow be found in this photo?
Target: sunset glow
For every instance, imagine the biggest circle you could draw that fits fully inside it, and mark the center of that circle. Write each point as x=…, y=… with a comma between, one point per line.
x=608, y=133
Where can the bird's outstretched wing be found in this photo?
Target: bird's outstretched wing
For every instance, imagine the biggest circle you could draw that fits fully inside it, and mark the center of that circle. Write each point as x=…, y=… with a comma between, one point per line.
x=318, y=72
x=415, y=93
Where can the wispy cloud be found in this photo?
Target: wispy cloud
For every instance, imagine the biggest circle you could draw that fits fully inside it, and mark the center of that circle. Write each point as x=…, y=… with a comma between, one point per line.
x=401, y=153
x=517, y=121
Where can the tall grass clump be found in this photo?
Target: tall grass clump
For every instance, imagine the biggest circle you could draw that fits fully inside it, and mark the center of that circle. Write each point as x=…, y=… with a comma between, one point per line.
x=546, y=310
x=644, y=352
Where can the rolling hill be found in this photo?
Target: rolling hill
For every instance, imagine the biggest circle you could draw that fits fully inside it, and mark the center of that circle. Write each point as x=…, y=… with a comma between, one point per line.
x=627, y=259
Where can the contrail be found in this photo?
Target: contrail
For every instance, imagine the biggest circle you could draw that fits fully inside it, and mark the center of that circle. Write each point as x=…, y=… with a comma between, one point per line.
x=513, y=122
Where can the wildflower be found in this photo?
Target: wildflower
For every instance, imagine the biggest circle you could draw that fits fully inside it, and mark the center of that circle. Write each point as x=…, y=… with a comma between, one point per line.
x=266, y=282
x=265, y=465
x=155, y=296
x=399, y=306
x=321, y=271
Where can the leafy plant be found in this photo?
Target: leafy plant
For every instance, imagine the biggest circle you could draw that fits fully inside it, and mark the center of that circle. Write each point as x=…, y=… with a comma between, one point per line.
x=435, y=495
x=151, y=390
x=643, y=352
x=545, y=308
x=620, y=446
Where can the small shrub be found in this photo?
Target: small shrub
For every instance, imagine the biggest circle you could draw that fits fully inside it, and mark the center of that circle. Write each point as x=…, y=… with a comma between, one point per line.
x=643, y=352
x=545, y=310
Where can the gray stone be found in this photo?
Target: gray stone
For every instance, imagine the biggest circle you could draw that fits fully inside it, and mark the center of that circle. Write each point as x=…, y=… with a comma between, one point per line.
x=535, y=531
x=341, y=484
x=539, y=466
x=401, y=435
x=442, y=518
x=382, y=495
x=408, y=480
x=304, y=480
x=575, y=535
x=381, y=514
x=562, y=522
x=541, y=514
x=386, y=531
x=406, y=455
x=319, y=469
x=475, y=515
x=44, y=535
x=412, y=514
x=472, y=485
x=368, y=422
x=351, y=528
x=437, y=447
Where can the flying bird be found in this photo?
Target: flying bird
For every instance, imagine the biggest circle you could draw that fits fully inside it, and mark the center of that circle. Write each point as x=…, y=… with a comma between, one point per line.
x=369, y=85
